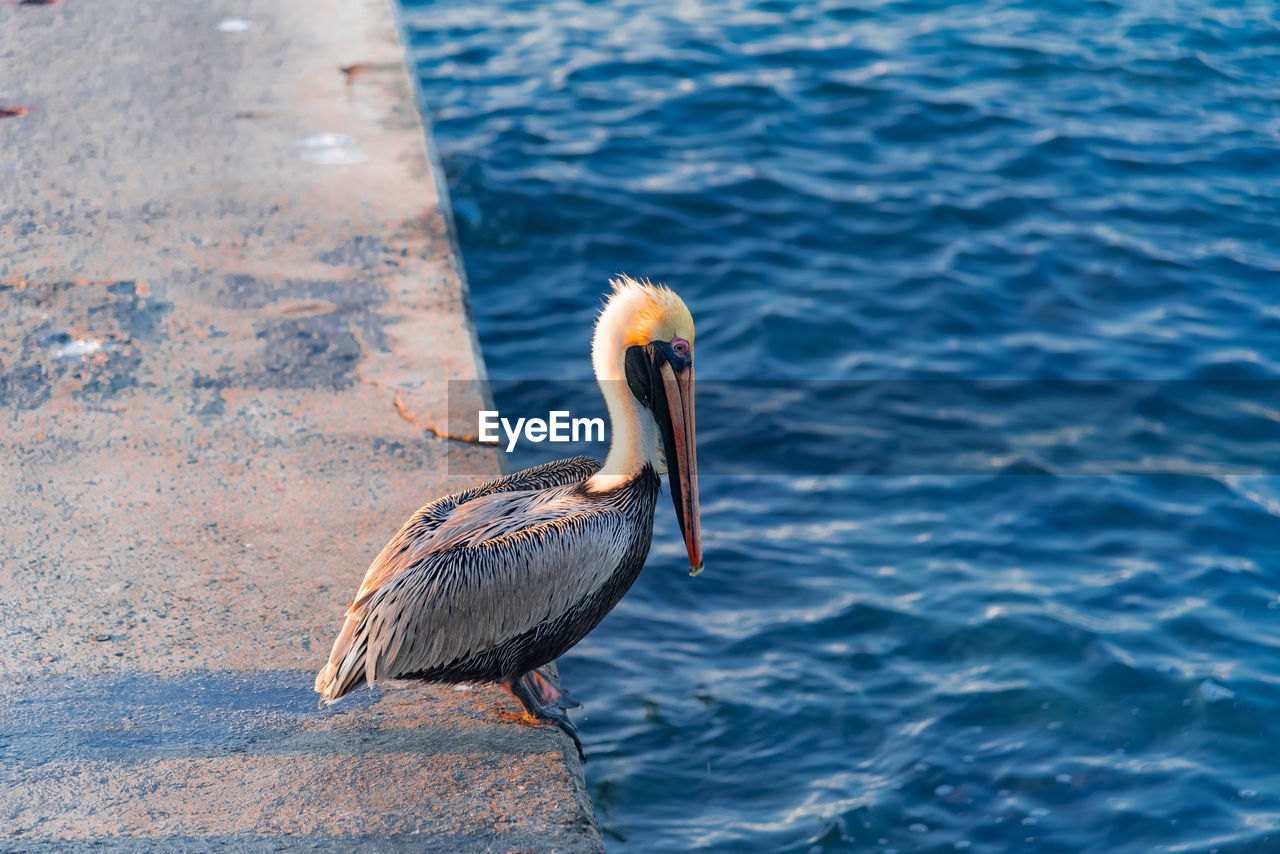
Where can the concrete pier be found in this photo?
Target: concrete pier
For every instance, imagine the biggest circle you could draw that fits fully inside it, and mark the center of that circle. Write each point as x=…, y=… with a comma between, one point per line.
x=229, y=308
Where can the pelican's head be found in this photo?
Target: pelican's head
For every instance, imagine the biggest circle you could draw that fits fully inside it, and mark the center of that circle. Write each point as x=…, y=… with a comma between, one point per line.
x=645, y=337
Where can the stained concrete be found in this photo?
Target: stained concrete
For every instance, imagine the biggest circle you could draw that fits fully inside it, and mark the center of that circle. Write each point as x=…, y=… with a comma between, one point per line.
x=230, y=308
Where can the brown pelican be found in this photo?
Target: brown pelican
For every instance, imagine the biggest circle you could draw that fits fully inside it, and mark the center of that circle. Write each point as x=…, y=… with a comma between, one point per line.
x=493, y=583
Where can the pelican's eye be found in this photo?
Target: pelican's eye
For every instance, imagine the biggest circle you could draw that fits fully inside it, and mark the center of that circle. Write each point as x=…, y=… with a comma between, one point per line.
x=681, y=346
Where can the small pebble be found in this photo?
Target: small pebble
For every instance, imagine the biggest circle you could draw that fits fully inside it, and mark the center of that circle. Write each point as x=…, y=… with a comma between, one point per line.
x=335, y=156
x=234, y=25
x=78, y=347
x=326, y=140
x=944, y=790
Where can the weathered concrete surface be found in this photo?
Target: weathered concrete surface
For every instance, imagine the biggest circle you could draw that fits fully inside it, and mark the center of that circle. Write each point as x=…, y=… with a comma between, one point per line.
x=229, y=309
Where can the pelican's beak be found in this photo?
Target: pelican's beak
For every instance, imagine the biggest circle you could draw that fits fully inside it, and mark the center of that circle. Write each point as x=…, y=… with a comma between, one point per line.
x=676, y=404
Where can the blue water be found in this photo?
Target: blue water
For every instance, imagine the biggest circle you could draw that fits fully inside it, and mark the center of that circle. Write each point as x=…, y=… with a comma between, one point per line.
x=904, y=190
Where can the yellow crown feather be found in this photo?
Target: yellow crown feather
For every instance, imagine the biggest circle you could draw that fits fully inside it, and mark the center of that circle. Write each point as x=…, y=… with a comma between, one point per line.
x=662, y=314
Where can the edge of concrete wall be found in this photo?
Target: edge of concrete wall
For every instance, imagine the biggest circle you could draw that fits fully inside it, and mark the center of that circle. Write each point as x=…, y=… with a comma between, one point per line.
x=436, y=165
x=445, y=203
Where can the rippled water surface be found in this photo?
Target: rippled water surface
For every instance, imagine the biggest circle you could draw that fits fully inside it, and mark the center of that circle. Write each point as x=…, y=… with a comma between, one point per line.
x=993, y=660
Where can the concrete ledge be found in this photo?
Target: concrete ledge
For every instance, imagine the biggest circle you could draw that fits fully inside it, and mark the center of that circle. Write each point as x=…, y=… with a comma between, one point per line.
x=230, y=307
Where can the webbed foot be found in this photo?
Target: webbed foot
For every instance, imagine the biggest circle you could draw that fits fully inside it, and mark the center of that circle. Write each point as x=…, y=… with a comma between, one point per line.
x=548, y=711
x=549, y=691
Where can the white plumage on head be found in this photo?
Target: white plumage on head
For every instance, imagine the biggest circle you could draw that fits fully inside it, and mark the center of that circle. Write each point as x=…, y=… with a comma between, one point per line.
x=637, y=313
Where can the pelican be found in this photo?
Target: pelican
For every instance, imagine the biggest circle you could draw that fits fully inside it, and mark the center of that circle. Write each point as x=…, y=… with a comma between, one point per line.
x=493, y=583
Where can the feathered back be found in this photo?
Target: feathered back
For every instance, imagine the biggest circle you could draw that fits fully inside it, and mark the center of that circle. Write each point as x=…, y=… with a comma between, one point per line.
x=429, y=532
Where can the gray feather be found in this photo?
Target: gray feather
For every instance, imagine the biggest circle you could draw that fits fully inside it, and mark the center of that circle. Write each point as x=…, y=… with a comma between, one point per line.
x=472, y=570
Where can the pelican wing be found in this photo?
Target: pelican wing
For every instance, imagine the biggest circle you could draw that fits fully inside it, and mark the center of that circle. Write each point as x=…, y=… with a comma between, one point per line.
x=410, y=544
x=470, y=598
x=444, y=563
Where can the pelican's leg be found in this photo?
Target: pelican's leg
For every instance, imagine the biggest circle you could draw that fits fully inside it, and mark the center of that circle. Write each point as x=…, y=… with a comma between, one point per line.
x=548, y=690
x=520, y=689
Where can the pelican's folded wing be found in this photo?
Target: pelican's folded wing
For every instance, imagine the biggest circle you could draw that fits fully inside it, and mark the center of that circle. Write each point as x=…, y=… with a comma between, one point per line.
x=479, y=588
x=410, y=546
x=411, y=542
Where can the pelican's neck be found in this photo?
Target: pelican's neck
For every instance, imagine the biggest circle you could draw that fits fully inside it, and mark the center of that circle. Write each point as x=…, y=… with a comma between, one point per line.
x=633, y=432
x=633, y=440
